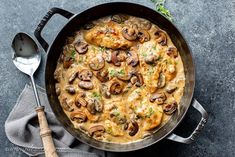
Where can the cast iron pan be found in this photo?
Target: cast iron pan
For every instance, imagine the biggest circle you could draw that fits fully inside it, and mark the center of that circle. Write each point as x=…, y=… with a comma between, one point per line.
x=75, y=21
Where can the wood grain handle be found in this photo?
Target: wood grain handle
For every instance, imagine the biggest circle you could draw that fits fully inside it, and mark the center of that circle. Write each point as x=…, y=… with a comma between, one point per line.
x=45, y=133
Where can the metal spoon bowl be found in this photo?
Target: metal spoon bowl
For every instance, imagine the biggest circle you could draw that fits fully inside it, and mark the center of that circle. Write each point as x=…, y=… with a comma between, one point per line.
x=27, y=58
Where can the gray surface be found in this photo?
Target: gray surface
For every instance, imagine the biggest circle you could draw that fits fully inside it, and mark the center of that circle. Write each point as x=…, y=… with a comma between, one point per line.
x=208, y=26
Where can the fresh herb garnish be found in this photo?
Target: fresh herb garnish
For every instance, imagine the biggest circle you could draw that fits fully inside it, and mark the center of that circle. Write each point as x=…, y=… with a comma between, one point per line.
x=144, y=54
x=112, y=73
x=102, y=48
x=159, y=4
x=121, y=72
x=96, y=95
x=150, y=112
x=73, y=53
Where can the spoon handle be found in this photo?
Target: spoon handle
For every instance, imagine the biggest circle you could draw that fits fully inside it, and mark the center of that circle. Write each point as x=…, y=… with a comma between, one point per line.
x=45, y=133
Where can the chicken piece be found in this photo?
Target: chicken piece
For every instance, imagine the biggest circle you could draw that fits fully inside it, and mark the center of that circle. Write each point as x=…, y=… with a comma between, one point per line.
x=153, y=118
x=108, y=36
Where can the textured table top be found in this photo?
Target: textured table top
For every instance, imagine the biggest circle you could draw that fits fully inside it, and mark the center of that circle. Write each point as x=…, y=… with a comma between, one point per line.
x=209, y=28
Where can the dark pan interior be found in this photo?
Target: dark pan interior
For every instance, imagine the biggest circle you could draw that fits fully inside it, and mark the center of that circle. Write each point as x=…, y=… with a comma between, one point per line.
x=109, y=9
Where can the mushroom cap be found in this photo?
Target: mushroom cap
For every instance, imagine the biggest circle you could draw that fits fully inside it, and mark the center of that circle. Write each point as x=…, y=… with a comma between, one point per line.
x=80, y=101
x=97, y=63
x=81, y=47
x=133, y=128
x=86, y=85
x=116, y=88
x=129, y=33
x=85, y=75
x=143, y=36
x=161, y=37
x=170, y=108
x=96, y=128
x=78, y=116
x=103, y=75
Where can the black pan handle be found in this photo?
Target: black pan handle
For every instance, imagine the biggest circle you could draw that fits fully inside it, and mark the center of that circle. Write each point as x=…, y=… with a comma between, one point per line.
x=44, y=21
x=198, y=129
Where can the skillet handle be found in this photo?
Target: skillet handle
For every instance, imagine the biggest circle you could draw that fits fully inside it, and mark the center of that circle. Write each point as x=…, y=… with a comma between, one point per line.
x=198, y=129
x=44, y=21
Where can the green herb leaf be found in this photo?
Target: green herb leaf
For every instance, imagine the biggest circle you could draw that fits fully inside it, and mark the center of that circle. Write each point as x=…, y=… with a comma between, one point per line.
x=96, y=95
x=73, y=53
x=121, y=72
x=150, y=112
x=144, y=54
x=102, y=48
x=112, y=73
x=159, y=4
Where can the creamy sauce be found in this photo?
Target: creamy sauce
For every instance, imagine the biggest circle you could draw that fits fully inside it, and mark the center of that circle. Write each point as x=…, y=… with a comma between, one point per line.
x=159, y=65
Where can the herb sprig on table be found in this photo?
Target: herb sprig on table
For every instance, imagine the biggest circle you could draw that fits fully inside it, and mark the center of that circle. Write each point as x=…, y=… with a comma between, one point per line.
x=160, y=7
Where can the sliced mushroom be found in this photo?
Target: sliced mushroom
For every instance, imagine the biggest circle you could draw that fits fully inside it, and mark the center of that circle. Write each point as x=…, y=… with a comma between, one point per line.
x=161, y=81
x=88, y=26
x=66, y=105
x=145, y=24
x=129, y=33
x=80, y=101
x=140, y=79
x=104, y=90
x=96, y=130
x=103, y=75
x=143, y=36
x=91, y=106
x=170, y=88
x=119, y=18
x=116, y=88
x=161, y=37
x=68, y=60
x=85, y=75
x=170, y=108
x=125, y=126
x=132, y=57
x=133, y=128
x=86, y=85
x=73, y=77
x=81, y=47
x=172, y=52
x=159, y=98
x=114, y=58
x=78, y=116
x=97, y=63
x=124, y=77
x=70, y=89
x=98, y=106
x=134, y=79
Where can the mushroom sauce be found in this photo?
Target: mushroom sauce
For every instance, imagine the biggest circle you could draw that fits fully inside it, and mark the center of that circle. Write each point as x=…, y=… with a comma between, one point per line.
x=119, y=78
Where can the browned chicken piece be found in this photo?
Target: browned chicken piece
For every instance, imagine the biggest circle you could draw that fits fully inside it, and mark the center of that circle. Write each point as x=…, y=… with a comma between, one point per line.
x=108, y=36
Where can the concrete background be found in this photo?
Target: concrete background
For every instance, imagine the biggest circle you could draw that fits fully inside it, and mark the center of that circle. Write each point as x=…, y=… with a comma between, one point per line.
x=209, y=28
